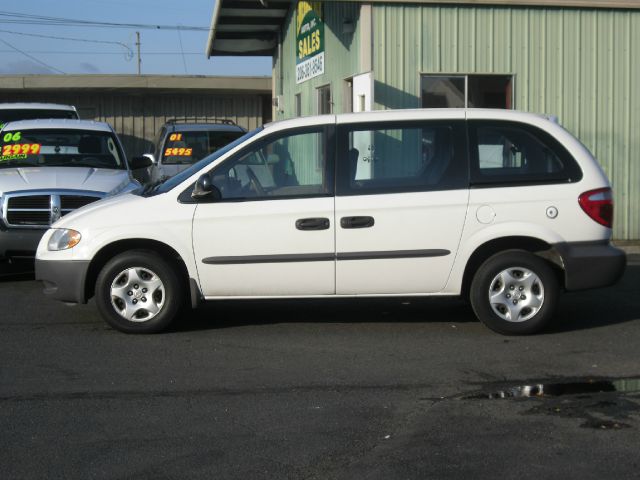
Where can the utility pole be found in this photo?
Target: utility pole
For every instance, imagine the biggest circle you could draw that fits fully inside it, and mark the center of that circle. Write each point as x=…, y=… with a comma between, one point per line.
x=138, y=45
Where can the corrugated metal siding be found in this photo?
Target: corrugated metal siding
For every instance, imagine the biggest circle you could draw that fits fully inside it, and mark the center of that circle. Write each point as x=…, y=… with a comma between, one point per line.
x=137, y=118
x=341, y=59
x=579, y=64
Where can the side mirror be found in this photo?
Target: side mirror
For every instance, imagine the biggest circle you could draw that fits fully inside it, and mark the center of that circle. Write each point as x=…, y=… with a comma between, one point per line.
x=150, y=156
x=204, y=189
x=137, y=163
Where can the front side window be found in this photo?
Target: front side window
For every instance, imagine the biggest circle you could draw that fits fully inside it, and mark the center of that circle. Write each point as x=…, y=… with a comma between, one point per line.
x=412, y=157
x=505, y=152
x=288, y=166
x=60, y=148
x=168, y=184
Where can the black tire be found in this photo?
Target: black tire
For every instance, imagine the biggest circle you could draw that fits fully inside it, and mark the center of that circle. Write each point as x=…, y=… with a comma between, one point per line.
x=149, y=268
x=508, y=313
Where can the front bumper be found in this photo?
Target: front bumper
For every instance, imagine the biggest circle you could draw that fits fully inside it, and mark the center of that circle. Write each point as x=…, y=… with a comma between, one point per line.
x=591, y=264
x=19, y=242
x=63, y=279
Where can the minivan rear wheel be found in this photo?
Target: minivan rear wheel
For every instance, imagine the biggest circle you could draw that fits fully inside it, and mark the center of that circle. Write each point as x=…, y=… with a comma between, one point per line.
x=138, y=292
x=514, y=293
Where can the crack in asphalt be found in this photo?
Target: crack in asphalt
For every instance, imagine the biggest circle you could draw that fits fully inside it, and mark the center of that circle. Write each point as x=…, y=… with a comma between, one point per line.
x=134, y=395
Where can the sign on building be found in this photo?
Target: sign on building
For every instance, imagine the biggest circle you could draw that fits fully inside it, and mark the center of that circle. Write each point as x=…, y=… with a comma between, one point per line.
x=310, y=40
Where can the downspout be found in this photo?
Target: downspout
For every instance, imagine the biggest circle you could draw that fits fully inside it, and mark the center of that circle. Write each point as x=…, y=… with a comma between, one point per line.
x=280, y=72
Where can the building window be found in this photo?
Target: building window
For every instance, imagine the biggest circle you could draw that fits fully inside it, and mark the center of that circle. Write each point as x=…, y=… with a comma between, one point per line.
x=473, y=91
x=298, y=105
x=324, y=100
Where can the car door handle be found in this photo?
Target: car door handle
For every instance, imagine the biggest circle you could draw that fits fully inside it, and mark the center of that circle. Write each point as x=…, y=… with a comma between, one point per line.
x=312, y=223
x=356, y=222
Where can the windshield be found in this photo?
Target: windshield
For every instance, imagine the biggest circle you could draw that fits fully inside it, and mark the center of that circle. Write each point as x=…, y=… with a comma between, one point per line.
x=60, y=148
x=182, y=176
x=9, y=115
x=188, y=147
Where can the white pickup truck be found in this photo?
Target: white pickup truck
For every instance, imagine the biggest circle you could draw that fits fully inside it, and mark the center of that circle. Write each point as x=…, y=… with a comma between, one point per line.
x=50, y=167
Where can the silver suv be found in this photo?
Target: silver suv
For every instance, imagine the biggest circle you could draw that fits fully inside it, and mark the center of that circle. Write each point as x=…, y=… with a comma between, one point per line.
x=179, y=144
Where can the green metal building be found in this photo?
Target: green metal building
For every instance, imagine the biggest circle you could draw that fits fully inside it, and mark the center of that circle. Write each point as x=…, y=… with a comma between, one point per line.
x=577, y=60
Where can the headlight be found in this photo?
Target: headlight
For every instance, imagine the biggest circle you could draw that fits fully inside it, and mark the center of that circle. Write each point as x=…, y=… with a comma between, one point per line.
x=63, y=238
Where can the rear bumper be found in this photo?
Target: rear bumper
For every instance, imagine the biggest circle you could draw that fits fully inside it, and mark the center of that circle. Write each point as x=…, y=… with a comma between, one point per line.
x=591, y=264
x=63, y=280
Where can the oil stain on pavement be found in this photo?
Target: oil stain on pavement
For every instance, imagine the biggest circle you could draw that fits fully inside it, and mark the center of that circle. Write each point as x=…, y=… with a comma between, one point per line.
x=604, y=404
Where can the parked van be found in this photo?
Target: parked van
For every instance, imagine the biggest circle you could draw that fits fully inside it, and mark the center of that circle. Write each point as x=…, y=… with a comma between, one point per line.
x=504, y=208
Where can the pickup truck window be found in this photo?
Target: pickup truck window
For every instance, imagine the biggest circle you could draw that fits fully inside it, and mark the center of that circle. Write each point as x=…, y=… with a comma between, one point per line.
x=60, y=148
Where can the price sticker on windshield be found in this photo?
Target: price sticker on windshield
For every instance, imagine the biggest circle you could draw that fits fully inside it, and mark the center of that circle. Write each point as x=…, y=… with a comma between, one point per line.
x=6, y=158
x=178, y=152
x=175, y=137
x=21, y=149
x=12, y=137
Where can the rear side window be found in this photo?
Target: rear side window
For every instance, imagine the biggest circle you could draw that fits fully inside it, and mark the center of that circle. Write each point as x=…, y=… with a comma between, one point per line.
x=402, y=157
x=508, y=153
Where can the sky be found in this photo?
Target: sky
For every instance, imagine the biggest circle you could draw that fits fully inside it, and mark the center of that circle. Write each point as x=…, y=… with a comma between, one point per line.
x=101, y=50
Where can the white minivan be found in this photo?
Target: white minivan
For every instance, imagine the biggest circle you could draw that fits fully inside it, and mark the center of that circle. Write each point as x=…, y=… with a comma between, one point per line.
x=504, y=208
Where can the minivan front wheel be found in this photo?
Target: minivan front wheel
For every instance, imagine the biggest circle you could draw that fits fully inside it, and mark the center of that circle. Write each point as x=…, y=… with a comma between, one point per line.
x=138, y=292
x=514, y=293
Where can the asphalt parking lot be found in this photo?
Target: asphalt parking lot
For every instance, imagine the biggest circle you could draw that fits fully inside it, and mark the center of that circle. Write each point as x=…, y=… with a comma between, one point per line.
x=373, y=389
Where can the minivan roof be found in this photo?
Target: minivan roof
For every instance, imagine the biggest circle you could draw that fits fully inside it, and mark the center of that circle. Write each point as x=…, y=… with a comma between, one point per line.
x=412, y=114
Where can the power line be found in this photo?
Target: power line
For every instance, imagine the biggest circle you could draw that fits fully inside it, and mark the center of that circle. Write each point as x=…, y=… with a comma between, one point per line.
x=95, y=52
x=31, y=57
x=85, y=40
x=184, y=60
x=28, y=19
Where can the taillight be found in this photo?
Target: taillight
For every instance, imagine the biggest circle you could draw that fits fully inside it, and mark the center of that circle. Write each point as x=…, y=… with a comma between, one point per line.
x=598, y=204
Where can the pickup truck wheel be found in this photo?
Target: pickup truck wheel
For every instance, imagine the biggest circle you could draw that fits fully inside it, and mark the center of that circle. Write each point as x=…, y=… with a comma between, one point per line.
x=514, y=293
x=138, y=292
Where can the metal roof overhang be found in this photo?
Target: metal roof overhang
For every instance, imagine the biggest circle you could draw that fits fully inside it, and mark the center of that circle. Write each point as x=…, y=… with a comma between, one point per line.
x=246, y=27
x=250, y=27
